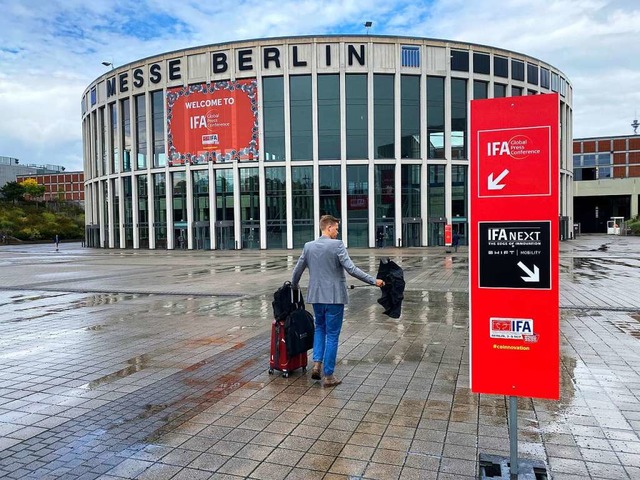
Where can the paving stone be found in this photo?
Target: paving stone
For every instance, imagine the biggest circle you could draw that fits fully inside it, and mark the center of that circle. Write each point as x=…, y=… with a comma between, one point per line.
x=101, y=395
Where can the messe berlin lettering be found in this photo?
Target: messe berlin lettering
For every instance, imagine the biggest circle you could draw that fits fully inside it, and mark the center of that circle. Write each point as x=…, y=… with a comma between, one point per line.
x=245, y=60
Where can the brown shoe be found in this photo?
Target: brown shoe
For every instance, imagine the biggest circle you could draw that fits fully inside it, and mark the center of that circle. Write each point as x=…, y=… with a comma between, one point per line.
x=331, y=381
x=315, y=371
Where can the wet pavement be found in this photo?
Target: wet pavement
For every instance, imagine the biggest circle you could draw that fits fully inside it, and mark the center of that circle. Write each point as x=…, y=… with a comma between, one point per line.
x=153, y=365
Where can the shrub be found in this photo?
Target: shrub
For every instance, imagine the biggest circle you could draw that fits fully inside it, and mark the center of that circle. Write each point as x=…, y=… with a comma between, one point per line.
x=27, y=221
x=634, y=225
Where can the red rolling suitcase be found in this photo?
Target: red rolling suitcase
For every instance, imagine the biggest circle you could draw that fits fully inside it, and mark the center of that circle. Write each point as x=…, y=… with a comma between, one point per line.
x=279, y=359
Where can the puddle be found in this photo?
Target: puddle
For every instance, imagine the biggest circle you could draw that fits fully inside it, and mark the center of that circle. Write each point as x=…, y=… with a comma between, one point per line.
x=136, y=364
x=629, y=324
x=97, y=300
x=94, y=328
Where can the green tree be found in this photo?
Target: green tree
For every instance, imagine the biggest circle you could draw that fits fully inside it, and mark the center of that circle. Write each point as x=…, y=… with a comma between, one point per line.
x=13, y=192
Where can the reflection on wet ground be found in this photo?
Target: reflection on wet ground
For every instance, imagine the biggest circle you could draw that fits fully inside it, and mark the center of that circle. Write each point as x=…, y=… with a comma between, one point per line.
x=160, y=371
x=135, y=365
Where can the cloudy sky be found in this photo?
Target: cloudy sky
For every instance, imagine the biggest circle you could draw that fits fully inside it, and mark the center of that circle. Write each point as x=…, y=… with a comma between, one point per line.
x=50, y=51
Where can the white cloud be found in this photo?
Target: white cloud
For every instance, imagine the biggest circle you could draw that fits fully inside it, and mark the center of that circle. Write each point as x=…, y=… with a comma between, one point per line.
x=51, y=51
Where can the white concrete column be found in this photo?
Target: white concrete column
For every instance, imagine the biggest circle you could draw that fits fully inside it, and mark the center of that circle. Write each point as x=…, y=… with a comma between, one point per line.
x=189, y=185
x=212, y=205
x=134, y=211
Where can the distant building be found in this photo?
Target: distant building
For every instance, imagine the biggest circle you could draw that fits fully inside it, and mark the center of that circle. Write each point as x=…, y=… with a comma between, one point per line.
x=68, y=186
x=606, y=180
x=11, y=169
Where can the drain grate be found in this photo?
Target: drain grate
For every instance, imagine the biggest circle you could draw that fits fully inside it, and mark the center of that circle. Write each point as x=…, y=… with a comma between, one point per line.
x=496, y=467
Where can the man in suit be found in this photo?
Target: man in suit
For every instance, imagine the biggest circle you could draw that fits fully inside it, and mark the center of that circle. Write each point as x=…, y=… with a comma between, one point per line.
x=327, y=260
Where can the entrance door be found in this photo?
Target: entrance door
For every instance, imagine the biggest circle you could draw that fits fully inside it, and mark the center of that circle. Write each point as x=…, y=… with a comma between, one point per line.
x=411, y=232
x=461, y=229
x=180, y=236
x=225, y=239
x=201, y=236
x=251, y=235
x=93, y=236
x=436, y=231
x=385, y=235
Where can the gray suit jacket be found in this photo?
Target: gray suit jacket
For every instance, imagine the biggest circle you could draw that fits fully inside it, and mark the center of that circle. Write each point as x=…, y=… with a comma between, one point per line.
x=327, y=260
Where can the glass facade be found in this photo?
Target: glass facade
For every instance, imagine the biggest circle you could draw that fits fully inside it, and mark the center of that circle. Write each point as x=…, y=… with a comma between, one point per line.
x=127, y=140
x=500, y=66
x=105, y=206
x=115, y=158
x=276, y=211
x=141, y=132
x=411, y=191
x=328, y=117
x=115, y=226
x=102, y=126
x=358, y=205
x=224, y=226
x=481, y=63
x=300, y=110
x=143, y=211
x=273, y=122
x=460, y=60
x=302, y=202
x=545, y=81
x=480, y=89
x=385, y=211
x=128, y=212
x=410, y=116
x=458, y=118
x=330, y=188
x=160, y=210
x=250, y=207
x=201, y=210
x=517, y=70
x=435, y=117
x=459, y=208
x=532, y=74
x=592, y=166
x=383, y=116
x=436, y=205
x=411, y=196
x=380, y=141
x=157, y=119
x=357, y=116
x=179, y=195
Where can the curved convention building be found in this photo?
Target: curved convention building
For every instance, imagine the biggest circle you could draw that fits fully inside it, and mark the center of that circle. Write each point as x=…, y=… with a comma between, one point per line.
x=244, y=145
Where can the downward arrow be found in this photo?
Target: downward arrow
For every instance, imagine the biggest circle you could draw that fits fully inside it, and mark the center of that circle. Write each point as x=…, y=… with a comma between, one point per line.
x=531, y=276
x=495, y=184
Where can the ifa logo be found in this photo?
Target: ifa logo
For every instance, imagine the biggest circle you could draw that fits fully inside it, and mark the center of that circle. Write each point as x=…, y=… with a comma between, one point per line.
x=512, y=328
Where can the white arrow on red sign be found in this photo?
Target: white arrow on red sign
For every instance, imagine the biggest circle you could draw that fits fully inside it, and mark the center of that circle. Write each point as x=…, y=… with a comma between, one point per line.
x=532, y=276
x=495, y=184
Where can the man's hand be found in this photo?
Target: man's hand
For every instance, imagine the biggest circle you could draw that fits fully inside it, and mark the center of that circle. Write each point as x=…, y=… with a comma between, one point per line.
x=379, y=282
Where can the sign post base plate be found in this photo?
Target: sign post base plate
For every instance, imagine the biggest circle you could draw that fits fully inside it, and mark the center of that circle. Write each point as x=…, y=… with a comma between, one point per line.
x=496, y=467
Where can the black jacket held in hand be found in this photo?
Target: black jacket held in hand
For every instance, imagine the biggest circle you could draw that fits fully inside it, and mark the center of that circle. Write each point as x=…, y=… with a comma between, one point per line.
x=393, y=290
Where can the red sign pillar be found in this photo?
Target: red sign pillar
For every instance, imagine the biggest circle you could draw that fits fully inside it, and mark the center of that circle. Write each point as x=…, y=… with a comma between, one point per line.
x=513, y=249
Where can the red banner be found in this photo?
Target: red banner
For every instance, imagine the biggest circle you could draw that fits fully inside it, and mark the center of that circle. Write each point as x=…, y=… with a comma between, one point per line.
x=514, y=230
x=216, y=122
x=448, y=235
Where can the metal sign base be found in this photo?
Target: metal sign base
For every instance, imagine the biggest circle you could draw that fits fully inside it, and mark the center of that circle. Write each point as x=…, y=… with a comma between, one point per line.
x=498, y=468
x=512, y=468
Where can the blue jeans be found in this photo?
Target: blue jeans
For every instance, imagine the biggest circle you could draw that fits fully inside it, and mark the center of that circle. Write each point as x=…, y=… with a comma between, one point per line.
x=325, y=340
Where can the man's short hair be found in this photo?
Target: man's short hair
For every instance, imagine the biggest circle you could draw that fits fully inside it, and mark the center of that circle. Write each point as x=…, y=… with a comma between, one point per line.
x=326, y=221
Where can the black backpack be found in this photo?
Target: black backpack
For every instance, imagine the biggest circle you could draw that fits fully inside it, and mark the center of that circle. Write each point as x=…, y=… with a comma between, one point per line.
x=285, y=300
x=299, y=331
